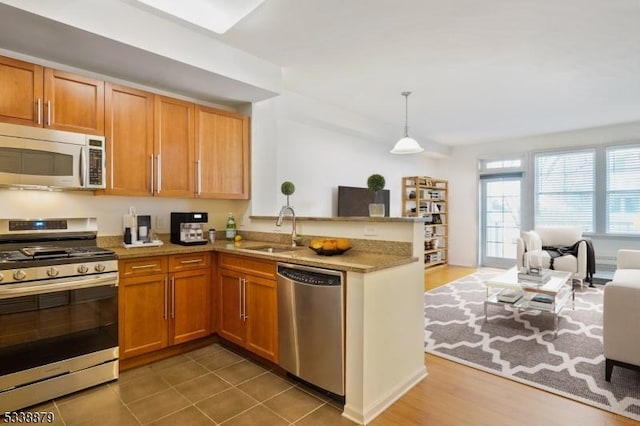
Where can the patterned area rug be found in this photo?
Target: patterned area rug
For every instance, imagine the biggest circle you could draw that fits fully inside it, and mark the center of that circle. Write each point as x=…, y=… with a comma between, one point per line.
x=521, y=346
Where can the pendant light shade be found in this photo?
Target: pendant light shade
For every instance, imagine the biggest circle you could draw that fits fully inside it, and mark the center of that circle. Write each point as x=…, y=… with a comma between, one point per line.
x=406, y=145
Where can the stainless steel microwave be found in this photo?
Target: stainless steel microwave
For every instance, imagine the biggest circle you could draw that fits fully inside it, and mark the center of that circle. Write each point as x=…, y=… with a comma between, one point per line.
x=33, y=157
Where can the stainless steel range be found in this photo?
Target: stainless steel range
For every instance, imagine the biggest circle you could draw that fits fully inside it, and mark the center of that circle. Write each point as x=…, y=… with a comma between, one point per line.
x=58, y=310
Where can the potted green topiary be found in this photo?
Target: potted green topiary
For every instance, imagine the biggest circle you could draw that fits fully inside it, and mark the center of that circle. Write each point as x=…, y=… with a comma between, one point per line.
x=287, y=188
x=375, y=183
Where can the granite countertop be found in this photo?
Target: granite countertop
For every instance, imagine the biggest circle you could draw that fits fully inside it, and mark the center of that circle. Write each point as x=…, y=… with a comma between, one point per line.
x=352, y=260
x=400, y=219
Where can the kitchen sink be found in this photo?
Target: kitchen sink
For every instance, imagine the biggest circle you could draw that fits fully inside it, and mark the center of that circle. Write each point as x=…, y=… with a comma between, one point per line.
x=272, y=249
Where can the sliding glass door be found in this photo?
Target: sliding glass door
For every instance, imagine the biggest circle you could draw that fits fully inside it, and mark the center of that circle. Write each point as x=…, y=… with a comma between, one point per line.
x=500, y=218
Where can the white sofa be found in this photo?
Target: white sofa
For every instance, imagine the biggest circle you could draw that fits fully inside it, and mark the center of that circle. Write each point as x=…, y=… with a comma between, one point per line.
x=529, y=250
x=621, y=314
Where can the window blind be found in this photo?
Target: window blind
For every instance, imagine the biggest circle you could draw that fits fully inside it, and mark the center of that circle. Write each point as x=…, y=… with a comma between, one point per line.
x=565, y=189
x=623, y=189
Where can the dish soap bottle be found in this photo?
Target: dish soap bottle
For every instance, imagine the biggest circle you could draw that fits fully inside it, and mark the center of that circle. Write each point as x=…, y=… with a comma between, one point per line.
x=231, y=228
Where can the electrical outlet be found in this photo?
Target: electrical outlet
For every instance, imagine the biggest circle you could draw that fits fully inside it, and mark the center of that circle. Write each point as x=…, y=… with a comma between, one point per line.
x=161, y=223
x=370, y=231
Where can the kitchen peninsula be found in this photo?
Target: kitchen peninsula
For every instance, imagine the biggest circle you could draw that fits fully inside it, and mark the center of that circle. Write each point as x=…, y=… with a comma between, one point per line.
x=383, y=295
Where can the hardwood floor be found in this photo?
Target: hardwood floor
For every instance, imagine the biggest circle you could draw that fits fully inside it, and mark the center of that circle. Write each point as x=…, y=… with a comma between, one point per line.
x=454, y=394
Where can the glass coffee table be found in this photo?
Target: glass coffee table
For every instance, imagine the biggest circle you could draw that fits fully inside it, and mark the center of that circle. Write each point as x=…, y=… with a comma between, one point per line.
x=557, y=290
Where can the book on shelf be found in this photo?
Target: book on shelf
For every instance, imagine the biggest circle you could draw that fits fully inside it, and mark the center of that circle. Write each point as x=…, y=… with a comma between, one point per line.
x=509, y=296
x=542, y=298
x=541, y=301
x=541, y=306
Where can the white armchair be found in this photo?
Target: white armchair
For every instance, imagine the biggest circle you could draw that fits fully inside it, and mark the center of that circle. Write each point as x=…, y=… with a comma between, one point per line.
x=620, y=334
x=530, y=252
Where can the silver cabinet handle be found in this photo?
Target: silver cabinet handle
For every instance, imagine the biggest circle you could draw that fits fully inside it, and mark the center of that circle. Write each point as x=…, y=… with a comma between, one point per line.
x=48, y=113
x=240, y=297
x=185, y=262
x=244, y=299
x=165, y=298
x=151, y=168
x=39, y=111
x=199, y=176
x=151, y=265
x=173, y=297
x=159, y=171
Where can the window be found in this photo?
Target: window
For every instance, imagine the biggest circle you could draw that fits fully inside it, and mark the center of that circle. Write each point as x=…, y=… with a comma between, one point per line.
x=565, y=189
x=501, y=164
x=623, y=189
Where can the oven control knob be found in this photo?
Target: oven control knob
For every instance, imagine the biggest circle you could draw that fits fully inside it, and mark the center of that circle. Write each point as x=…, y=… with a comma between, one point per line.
x=19, y=275
x=100, y=267
x=83, y=269
x=53, y=272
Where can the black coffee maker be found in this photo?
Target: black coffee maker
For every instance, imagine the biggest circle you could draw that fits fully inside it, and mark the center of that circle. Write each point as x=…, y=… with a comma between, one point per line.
x=188, y=228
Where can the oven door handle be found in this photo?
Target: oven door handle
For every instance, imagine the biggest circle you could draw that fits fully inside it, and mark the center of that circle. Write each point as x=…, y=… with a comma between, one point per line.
x=62, y=284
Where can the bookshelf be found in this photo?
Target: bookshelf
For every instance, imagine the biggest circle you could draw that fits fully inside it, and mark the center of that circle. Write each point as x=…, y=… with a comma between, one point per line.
x=424, y=196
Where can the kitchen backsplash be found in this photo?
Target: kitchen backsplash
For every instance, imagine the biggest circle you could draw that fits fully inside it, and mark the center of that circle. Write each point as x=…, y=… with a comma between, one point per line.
x=19, y=204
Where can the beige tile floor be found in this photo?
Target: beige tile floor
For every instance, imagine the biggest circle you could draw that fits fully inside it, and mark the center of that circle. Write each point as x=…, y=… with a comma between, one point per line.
x=208, y=386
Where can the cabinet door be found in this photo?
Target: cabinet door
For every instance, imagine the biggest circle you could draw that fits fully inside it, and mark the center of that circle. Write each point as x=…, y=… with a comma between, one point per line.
x=230, y=300
x=262, y=317
x=20, y=92
x=129, y=136
x=190, y=305
x=72, y=102
x=222, y=150
x=142, y=314
x=174, y=143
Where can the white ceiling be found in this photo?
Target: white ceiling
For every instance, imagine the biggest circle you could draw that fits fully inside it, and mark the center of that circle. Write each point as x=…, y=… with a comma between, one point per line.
x=479, y=70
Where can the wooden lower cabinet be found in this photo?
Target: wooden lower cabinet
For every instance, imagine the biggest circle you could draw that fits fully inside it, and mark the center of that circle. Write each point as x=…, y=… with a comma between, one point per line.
x=163, y=301
x=190, y=305
x=142, y=317
x=248, y=305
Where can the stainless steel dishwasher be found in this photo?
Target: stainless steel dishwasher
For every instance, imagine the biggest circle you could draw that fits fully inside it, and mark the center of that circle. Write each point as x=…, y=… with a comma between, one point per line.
x=311, y=325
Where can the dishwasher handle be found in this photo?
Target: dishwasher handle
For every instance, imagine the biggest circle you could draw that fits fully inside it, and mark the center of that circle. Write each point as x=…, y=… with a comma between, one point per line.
x=310, y=275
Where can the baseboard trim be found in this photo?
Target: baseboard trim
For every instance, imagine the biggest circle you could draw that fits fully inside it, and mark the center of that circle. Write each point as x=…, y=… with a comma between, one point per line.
x=369, y=413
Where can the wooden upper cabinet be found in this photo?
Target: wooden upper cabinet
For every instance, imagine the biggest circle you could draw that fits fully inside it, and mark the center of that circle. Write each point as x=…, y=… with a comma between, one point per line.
x=222, y=151
x=21, y=91
x=37, y=96
x=129, y=136
x=174, y=146
x=73, y=103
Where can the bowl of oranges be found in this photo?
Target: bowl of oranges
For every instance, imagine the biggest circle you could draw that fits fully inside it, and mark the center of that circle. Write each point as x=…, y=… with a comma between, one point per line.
x=330, y=246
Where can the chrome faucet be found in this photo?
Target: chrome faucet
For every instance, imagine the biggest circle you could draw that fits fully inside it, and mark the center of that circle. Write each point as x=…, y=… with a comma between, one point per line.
x=283, y=210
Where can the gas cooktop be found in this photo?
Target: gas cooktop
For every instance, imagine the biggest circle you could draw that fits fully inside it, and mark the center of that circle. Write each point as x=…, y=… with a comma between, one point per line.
x=35, y=253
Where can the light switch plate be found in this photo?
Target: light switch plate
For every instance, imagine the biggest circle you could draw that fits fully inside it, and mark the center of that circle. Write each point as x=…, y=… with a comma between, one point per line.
x=370, y=231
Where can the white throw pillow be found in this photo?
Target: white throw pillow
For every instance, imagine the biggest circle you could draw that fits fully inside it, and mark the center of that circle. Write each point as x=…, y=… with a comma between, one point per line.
x=535, y=243
x=532, y=240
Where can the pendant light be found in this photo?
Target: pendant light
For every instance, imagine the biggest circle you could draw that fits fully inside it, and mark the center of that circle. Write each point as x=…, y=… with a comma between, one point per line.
x=406, y=145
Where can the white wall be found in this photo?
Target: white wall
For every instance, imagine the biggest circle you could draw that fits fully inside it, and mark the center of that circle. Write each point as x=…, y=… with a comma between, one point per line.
x=461, y=170
x=319, y=147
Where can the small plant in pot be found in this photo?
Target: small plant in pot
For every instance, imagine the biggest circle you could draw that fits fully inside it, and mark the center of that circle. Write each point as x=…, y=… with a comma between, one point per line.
x=375, y=183
x=287, y=188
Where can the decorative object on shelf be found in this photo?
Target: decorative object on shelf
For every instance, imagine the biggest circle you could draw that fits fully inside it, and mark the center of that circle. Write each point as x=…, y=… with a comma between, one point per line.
x=406, y=145
x=330, y=247
x=375, y=183
x=287, y=188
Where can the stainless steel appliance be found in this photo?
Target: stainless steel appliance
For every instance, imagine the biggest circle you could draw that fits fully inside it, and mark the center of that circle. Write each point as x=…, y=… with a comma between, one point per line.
x=34, y=157
x=188, y=228
x=58, y=310
x=311, y=325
